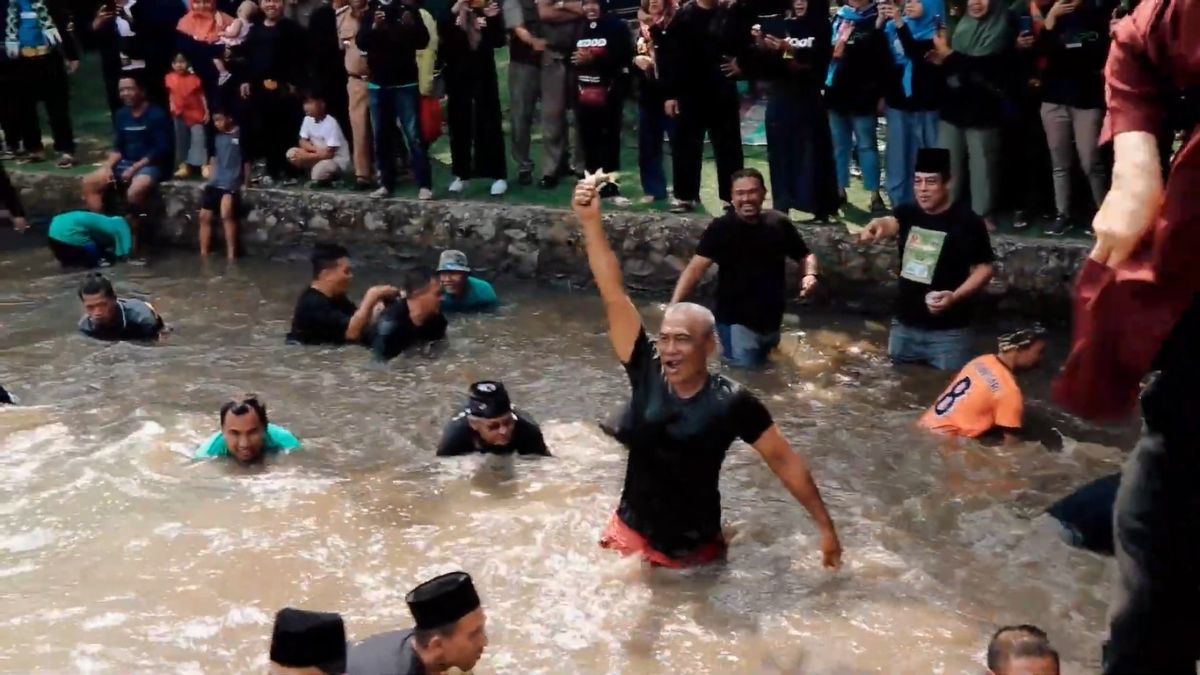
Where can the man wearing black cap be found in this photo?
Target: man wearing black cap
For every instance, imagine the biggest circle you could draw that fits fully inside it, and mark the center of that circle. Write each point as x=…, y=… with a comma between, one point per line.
x=308, y=643
x=450, y=632
x=490, y=424
x=945, y=262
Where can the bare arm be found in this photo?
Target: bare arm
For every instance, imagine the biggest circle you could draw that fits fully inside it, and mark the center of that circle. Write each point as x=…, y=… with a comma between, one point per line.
x=980, y=276
x=366, y=311
x=793, y=472
x=690, y=277
x=878, y=230
x=624, y=322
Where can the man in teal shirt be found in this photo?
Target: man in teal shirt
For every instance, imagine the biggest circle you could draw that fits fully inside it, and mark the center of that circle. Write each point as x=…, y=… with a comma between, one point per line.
x=463, y=292
x=84, y=239
x=246, y=435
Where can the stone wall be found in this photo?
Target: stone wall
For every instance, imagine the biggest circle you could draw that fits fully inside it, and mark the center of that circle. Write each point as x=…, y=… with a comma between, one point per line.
x=1033, y=275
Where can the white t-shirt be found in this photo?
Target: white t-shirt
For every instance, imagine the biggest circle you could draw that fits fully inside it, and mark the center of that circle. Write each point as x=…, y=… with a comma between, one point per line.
x=326, y=134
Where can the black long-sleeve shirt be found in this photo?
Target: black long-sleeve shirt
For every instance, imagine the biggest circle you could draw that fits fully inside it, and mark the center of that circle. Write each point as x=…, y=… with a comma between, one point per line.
x=610, y=45
x=978, y=89
x=928, y=82
x=695, y=45
x=803, y=73
x=454, y=47
x=861, y=76
x=392, y=48
x=275, y=53
x=1075, y=53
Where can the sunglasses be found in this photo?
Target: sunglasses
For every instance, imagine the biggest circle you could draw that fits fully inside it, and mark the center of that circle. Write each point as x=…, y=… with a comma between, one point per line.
x=493, y=426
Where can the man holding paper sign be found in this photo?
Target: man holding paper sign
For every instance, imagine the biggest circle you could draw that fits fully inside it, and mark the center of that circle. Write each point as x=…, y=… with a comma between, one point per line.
x=945, y=262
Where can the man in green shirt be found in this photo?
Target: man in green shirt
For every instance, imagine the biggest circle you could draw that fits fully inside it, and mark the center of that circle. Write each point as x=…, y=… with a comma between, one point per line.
x=461, y=291
x=246, y=435
x=84, y=239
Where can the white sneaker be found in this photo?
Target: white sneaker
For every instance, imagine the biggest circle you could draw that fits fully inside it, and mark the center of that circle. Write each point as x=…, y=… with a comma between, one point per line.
x=457, y=186
x=425, y=194
x=381, y=193
x=499, y=187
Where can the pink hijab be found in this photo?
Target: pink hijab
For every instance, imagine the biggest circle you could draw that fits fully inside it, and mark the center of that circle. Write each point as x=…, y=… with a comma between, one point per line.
x=203, y=26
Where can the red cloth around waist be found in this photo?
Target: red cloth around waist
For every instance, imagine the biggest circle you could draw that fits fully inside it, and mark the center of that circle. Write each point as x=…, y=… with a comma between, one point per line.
x=623, y=539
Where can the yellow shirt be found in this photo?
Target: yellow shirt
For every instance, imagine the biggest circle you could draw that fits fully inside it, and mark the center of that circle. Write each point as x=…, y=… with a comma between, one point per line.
x=428, y=56
x=982, y=396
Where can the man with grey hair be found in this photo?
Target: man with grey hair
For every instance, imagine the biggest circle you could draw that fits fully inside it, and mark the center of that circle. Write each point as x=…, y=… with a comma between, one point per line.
x=679, y=425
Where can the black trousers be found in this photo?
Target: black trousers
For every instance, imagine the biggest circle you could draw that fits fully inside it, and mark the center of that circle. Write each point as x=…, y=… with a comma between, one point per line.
x=473, y=114
x=275, y=120
x=43, y=79
x=600, y=133
x=719, y=114
x=1153, y=619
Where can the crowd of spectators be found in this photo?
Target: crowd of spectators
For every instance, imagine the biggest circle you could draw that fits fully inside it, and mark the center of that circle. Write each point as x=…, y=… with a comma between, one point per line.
x=353, y=92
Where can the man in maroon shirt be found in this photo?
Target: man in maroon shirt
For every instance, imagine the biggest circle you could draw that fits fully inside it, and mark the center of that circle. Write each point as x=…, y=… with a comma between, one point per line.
x=1138, y=309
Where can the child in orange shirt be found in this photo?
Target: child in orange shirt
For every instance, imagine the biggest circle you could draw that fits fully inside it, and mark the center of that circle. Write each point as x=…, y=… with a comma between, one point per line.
x=984, y=395
x=189, y=111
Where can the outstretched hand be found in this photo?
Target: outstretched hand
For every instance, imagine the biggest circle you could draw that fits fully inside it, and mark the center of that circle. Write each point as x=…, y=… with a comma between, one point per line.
x=831, y=551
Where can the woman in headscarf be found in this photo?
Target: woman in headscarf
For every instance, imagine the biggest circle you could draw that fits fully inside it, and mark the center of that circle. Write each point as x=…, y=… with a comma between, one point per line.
x=653, y=18
x=603, y=55
x=792, y=56
x=978, y=66
x=198, y=34
x=855, y=86
x=914, y=92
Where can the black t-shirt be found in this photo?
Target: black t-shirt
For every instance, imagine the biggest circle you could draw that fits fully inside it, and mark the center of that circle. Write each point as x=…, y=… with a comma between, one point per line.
x=459, y=439
x=750, y=273
x=937, y=252
x=320, y=319
x=676, y=448
x=395, y=331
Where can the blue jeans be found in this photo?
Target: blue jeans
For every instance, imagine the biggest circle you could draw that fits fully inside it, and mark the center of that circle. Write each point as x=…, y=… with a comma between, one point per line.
x=398, y=103
x=855, y=133
x=942, y=349
x=907, y=132
x=652, y=123
x=744, y=348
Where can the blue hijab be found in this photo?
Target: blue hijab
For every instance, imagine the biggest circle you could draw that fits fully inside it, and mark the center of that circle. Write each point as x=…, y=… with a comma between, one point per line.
x=846, y=13
x=923, y=28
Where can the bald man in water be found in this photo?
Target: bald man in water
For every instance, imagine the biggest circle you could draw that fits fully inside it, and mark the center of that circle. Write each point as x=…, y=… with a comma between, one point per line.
x=679, y=425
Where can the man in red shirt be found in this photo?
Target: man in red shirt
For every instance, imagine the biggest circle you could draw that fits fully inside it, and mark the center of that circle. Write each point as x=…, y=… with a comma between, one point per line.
x=1137, y=309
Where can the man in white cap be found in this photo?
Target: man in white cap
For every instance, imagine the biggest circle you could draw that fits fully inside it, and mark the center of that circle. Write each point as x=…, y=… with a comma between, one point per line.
x=450, y=632
x=308, y=643
x=463, y=292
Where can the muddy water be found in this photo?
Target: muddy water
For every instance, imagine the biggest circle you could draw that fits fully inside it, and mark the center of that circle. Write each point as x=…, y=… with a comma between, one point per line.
x=118, y=554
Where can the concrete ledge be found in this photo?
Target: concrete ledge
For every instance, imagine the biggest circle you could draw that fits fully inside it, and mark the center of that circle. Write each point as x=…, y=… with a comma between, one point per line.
x=1034, y=276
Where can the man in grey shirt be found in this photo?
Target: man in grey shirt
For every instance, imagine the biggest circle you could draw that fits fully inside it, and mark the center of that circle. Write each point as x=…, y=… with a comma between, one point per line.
x=560, y=21
x=450, y=633
x=525, y=49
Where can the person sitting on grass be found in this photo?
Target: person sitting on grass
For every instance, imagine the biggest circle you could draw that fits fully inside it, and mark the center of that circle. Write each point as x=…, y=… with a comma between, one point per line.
x=222, y=194
x=141, y=150
x=246, y=435
x=323, y=149
x=85, y=239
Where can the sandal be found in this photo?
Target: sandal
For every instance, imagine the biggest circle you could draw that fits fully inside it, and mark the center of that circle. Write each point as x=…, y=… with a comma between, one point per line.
x=66, y=162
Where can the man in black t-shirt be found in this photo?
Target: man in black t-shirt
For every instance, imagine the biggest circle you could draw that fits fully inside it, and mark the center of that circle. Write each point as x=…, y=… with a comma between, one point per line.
x=749, y=247
x=490, y=424
x=945, y=262
x=324, y=315
x=416, y=318
x=679, y=425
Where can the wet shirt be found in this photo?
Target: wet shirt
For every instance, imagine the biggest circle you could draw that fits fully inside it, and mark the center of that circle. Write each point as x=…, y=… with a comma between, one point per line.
x=136, y=320
x=83, y=228
x=937, y=252
x=750, y=273
x=983, y=395
x=459, y=439
x=320, y=319
x=384, y=654
x=276, y=440
x=676, y=448
x=396, y=331
x=480, y=297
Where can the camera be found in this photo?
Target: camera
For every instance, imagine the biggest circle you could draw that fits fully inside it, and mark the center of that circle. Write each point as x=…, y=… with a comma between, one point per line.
x=390, y=8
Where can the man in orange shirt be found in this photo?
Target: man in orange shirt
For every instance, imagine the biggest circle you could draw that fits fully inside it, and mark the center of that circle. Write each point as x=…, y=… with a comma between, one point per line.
x=984, y=395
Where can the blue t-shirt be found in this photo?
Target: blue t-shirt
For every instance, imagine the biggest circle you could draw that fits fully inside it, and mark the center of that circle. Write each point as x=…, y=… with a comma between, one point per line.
x=227, y=167
x=145, y=137
x=480, y=297
x=278, y=441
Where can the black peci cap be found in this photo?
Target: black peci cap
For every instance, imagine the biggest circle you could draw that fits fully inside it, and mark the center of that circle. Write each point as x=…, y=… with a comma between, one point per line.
x=442, y=600
x=933, y=160
x=304, y=639
x=488, y=399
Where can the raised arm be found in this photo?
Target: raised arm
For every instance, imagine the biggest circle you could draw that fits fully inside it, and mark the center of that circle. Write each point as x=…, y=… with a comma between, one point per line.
x=366, y=311
x=624, y=322
x=792, y=470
